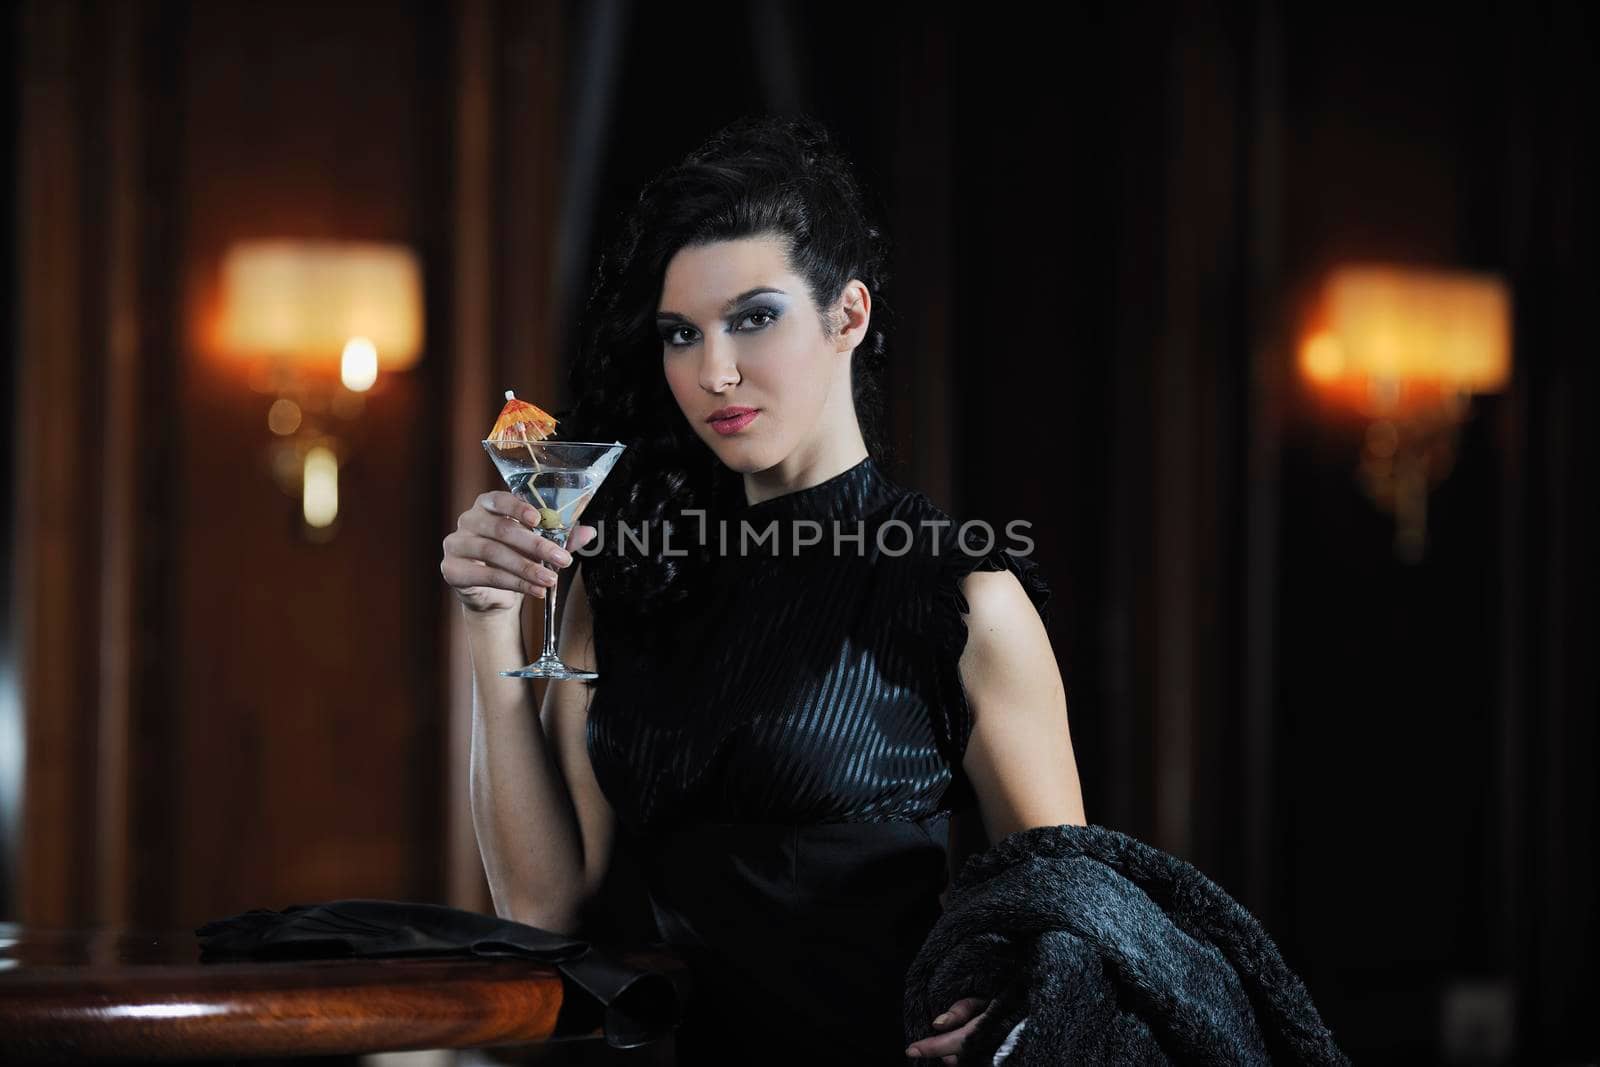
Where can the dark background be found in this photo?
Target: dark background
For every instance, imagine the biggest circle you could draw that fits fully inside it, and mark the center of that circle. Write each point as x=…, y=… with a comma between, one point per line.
x=1107, y=218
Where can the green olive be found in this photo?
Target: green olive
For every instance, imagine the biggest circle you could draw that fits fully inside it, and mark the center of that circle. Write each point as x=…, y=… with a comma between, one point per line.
x=549, y=519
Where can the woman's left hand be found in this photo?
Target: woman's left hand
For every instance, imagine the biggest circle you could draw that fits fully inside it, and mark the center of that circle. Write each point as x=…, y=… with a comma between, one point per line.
x=956, y=1024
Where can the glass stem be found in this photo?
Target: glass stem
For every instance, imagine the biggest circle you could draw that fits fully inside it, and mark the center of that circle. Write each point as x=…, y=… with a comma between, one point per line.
x=550, y=622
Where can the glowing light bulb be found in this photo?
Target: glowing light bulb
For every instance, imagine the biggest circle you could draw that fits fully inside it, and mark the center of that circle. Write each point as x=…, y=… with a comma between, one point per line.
x=358, y=367
x=319, y=498
x=1322, y=358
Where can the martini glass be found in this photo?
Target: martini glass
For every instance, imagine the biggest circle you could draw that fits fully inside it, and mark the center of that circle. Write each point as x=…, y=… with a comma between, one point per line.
x=559, y=478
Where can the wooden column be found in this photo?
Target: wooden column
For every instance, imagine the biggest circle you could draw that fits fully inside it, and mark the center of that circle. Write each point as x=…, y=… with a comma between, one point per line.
x=470, y=387
x=79, y=442
x=57, y=544
x=120, y=466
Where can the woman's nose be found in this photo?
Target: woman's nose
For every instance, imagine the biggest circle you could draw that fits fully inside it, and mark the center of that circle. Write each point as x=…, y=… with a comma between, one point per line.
x=717, y=367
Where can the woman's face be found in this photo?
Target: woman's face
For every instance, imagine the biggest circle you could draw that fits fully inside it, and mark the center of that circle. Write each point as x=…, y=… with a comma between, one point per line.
x=739, y=330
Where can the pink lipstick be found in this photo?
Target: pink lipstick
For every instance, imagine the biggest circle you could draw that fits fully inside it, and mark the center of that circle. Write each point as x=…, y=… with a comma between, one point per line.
x=731, y=419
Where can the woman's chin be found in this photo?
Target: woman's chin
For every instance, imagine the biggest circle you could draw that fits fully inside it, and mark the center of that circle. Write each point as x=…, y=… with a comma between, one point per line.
x=746, y=457
x=743, y=464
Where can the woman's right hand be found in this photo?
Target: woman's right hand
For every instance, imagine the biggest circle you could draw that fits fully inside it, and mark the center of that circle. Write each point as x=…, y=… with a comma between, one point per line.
x=494, y=557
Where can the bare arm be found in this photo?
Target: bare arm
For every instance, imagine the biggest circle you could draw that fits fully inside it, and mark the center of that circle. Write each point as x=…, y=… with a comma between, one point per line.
x=1019, y=756
x=544, y=828
x=566, y=724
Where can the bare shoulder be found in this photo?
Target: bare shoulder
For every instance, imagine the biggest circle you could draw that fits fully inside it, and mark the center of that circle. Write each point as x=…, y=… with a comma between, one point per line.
x=1008, y=657
x=998, y=605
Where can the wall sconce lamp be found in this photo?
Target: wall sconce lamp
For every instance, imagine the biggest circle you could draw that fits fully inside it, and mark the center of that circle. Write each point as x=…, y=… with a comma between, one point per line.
x=1407, y=349
x=323, y=320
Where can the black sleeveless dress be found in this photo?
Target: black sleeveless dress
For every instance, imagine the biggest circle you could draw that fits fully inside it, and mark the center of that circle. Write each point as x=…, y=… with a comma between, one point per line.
x=783, y=769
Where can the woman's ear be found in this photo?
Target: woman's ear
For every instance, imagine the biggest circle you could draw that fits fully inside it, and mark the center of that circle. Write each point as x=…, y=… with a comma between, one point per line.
x=853, y=313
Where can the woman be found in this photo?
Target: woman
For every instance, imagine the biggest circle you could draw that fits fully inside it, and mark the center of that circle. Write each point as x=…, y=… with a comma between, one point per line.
x=779, y=734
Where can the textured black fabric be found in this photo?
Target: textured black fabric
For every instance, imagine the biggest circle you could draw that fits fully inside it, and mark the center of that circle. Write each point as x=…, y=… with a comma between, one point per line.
x=639, y=1006
x=1113, y=952
x=784, y=766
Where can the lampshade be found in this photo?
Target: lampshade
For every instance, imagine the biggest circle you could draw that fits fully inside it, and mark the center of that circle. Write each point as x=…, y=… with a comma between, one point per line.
x=1439, y=328
x=303, y=301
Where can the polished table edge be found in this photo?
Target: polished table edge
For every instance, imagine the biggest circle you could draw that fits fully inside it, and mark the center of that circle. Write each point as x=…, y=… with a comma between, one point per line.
x=111, y=1009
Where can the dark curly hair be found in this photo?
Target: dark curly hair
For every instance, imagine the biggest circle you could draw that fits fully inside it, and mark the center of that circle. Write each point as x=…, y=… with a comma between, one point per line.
x=777, y=176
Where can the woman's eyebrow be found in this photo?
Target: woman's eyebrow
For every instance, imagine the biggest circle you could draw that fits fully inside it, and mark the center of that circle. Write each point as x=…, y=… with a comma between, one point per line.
x=673, y=316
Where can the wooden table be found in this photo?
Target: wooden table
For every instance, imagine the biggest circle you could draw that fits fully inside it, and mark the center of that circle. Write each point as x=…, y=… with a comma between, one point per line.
x=117, y=994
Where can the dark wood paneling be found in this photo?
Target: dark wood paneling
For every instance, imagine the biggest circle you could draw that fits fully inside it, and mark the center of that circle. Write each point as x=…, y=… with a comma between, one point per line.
x=220, y=712
x=57, y=546
x=301, y=702
x=11, y=706
x=122, y=421
x=154, y=791
x=472, y=321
